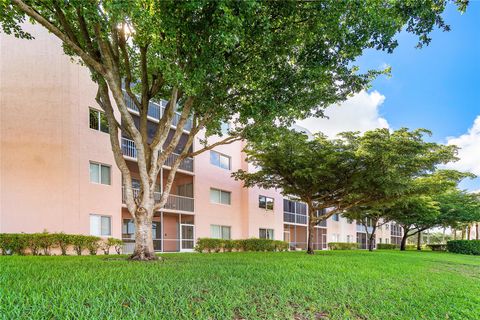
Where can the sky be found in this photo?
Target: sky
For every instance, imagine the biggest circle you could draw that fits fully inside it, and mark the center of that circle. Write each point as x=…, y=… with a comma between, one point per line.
x=436, y=87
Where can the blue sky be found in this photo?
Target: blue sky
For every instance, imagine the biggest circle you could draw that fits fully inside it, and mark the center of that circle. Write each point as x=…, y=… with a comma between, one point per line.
x=436, y=87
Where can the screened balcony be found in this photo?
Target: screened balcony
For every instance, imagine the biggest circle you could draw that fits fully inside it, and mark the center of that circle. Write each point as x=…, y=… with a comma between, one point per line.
x=129, y=150
x=156, y=110
x=174, y=202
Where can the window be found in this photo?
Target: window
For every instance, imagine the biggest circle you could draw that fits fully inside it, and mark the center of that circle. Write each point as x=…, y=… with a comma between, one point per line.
x=98, y=121
x=380, y=240
x=220, y=160
x=349, y=238
x=336, y=217
x=128, y=229
x=99, y=173
x=387, y=226
x=266, y=234
x=220, y=232
x=265, y=202
x=100, y=225
x=387, y=241
x=220, y=196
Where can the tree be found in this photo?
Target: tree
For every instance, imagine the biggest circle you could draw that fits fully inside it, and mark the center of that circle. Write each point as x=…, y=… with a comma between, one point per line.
x=347, y=174
x=248, y=62
x=390, y=163
x=316, y=171
x=458, y=209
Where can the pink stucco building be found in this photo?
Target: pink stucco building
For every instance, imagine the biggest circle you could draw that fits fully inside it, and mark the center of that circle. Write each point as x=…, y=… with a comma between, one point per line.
x=57, y=171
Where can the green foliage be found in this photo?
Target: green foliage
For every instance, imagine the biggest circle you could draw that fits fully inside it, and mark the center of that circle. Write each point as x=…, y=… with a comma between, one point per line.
x=464, y=246
x=342, y=245
x=458, y=208
x=386, y=246
x=243, y=285
x=257, y=61
x=437, y=247
x=252, y=244
x=107, y=244
x=43, y=243
x=13, y=243
x=64, y=241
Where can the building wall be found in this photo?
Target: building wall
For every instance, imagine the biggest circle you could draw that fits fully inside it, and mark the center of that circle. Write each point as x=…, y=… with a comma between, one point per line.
x=46, y=143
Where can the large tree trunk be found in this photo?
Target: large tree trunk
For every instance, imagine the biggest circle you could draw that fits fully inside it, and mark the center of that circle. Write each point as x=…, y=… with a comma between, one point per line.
x=312, y=221
x=404, y=240
x=454, y=234
x=419, y=241
x=463, y=233
x=143, y=236
x=476, y=231
x=469, y=229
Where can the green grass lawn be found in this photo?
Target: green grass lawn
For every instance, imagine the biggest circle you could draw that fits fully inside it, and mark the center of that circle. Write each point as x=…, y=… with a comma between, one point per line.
x=288, y=285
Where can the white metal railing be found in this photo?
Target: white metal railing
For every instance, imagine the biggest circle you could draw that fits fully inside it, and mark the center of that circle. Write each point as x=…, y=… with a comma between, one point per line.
x=156, y=110
x=174, y=202
x=129, y=149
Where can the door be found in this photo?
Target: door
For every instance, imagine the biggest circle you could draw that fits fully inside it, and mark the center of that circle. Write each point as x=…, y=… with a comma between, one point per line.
x=157, y=235
x=187, y=237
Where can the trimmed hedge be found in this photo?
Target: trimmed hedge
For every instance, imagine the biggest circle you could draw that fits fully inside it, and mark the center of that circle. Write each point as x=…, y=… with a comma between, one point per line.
x=464, y=246
x=342, y=245
x=386, y=246
x=252, y=244
x=43, y=243
x=437, y=247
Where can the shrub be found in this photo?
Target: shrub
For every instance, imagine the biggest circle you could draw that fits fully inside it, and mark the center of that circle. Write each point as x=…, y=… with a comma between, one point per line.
x=14, y=243
x=464, y=246
x=79, y=243
x=93, y=244
x=111, y=242
x=46, y=241
x=118, y=245
x=342, y=245
x=63, y=241
x=411, y=247
x=252, y=244
x=209, y=245
x=437, y=247
x=33, y=243
x=386, y=246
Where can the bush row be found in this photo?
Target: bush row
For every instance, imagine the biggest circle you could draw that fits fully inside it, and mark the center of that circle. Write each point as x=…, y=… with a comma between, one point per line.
x=387, y=246
x=464, y=246
x=342, y=245
x=43, y=243
x=253, y=244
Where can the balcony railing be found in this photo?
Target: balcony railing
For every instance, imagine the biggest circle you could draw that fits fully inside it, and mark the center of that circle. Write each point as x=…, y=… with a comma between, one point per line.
x=129, y=150
x=174, y=202
x=156, y=110
x=294, y=218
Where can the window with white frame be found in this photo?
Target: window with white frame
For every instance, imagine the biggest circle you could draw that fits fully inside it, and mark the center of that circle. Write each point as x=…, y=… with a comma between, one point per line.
x=336, y=217
x=220, y=160
x=99, y=173
x=265, y=233
x=98, y=120
x=100, y=225
x=220, y=196
x=387, y=241
x=220, y=232
x=265, y=202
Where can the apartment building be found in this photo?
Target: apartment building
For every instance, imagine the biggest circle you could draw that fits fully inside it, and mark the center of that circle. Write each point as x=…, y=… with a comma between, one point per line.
x=57, y=171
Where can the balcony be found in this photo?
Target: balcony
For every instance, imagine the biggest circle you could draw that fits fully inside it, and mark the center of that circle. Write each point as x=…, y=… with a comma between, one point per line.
x=361, y=228
x=156, y=110
x=129, y=150
x=290, y=217
x=174, y=202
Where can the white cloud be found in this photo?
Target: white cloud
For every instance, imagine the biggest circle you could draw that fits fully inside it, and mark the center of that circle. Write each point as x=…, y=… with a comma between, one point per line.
x=359, y=113
x=469, y=153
